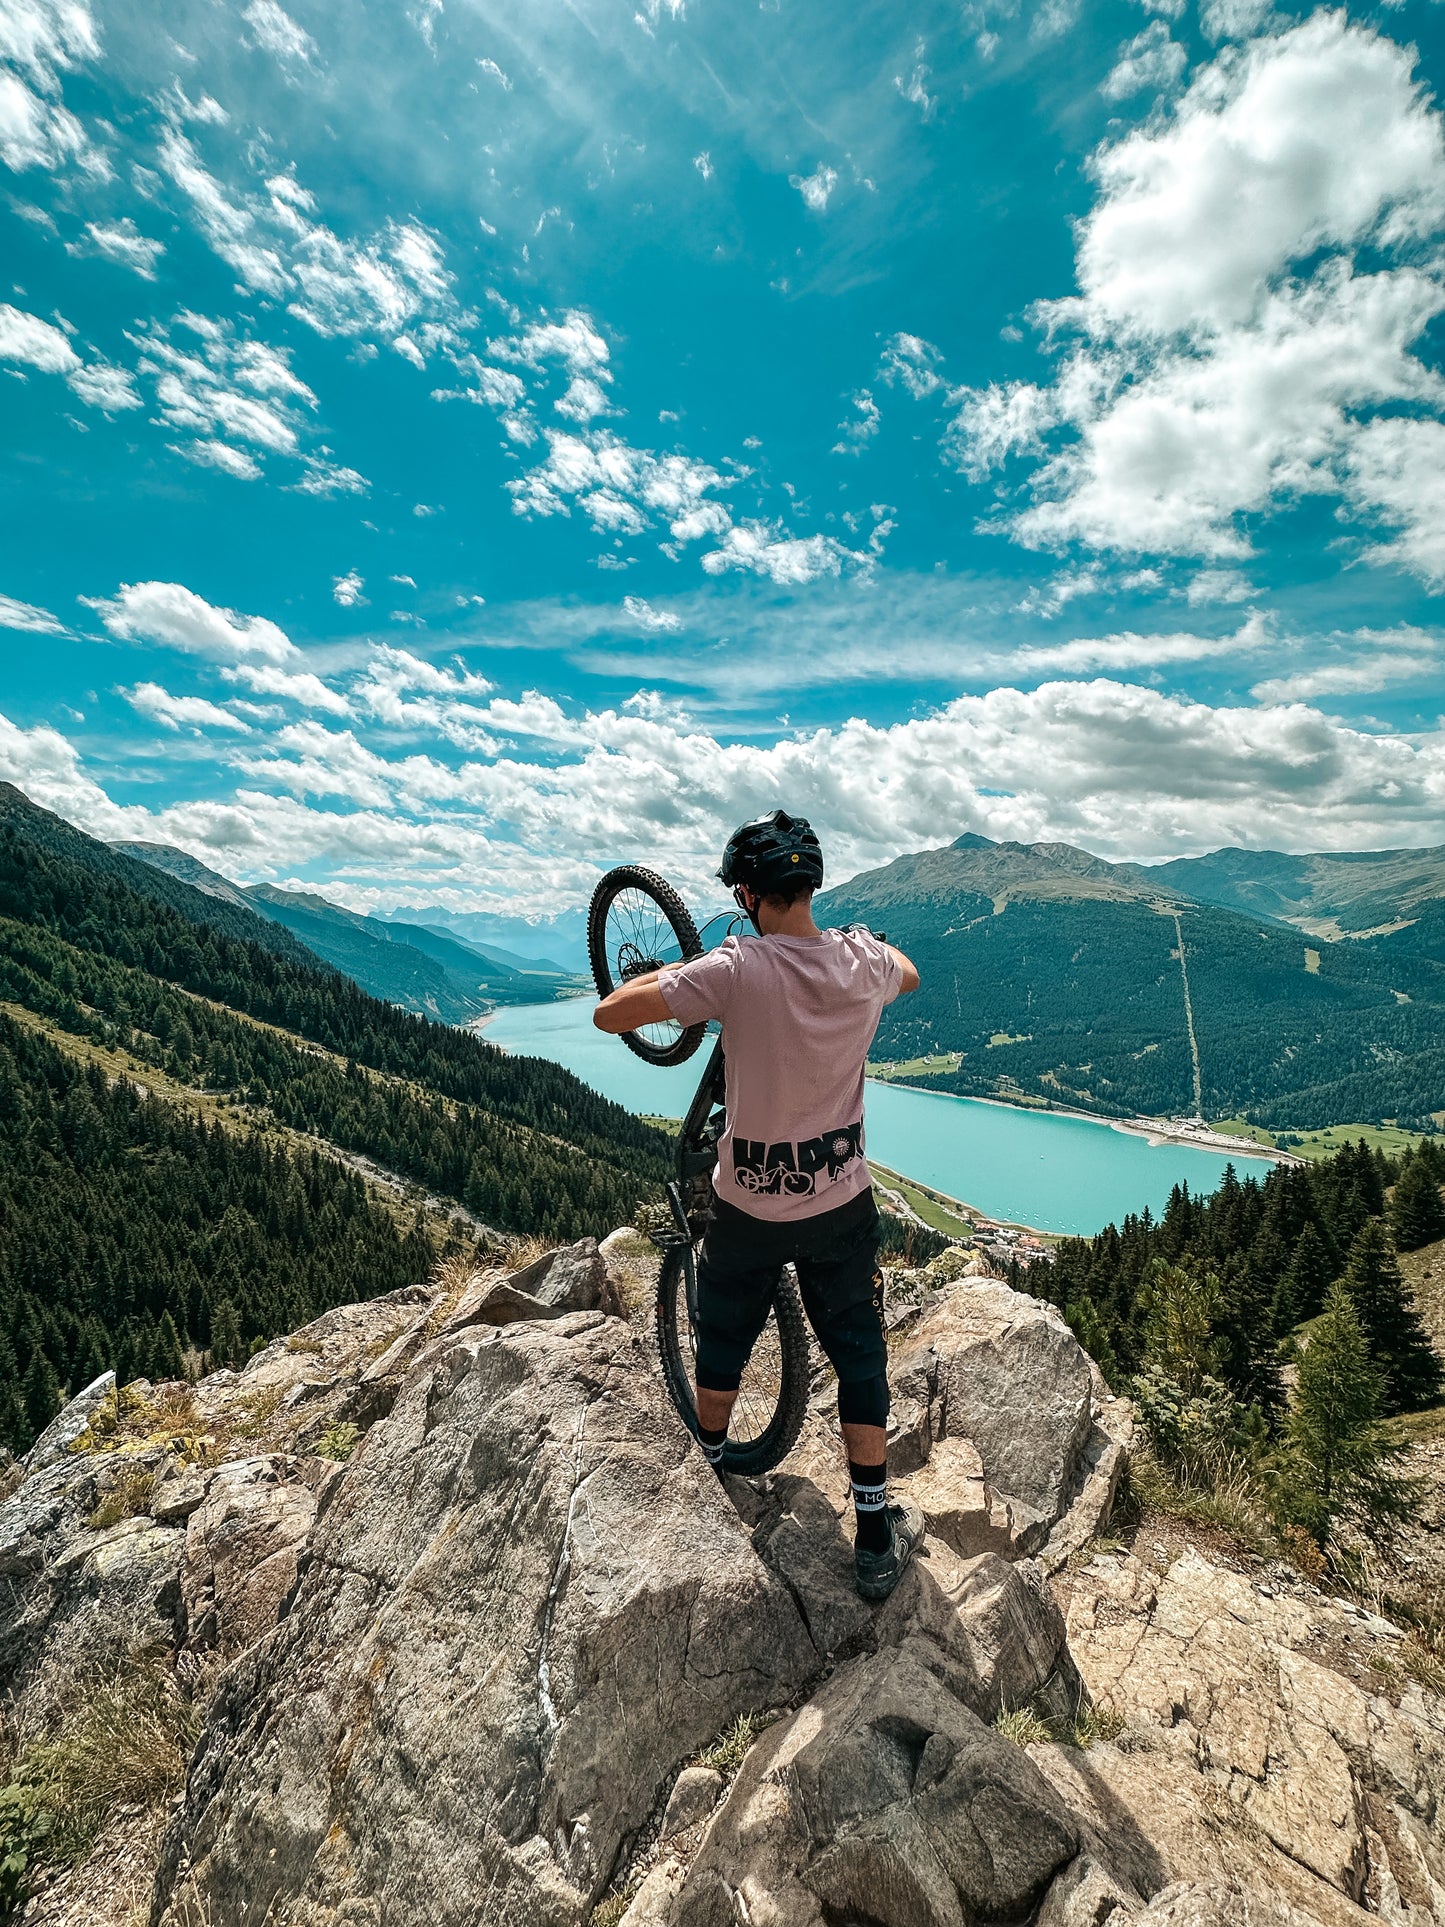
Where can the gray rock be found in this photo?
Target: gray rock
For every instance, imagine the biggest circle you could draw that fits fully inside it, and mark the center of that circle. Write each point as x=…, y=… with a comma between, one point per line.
x=801, y=1539
x=1005, y=1371
x=882, y=1799
x=695, y=1793
x=63, y=1430
x=527, y=1602
x=175, y=1499
x=243, y=1547
x=573, y=1278
x=1087, y=1895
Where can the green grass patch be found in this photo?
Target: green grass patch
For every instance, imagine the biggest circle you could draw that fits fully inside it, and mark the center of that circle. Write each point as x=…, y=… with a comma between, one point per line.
x=1322, y=1143
x=896, y=1070
x=929, y=1205
x=727, y=1752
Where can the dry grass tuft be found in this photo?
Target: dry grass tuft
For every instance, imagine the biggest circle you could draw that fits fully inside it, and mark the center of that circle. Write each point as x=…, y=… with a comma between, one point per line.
x=126, y=1497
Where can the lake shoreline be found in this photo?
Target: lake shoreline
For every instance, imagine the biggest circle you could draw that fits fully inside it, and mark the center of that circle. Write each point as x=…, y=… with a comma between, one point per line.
x=1152, y=1130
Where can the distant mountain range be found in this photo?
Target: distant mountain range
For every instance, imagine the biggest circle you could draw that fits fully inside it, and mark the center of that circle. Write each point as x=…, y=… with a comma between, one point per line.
x=1053, y=974
x=557, y=943
x=430, y=971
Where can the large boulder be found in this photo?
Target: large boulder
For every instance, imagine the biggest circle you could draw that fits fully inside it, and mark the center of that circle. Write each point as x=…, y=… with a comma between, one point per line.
x=1003, y=1371
x=524, y=1606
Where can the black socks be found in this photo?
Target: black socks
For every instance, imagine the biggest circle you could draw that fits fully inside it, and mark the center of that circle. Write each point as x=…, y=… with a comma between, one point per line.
x=870, y=1501
x=712, y=1444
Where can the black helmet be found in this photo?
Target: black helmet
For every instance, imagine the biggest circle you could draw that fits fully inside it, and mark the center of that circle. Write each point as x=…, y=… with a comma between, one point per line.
x=770, y=851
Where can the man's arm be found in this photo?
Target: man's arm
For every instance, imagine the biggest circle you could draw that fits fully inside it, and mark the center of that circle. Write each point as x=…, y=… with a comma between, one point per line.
x=910, y=972
x=636, y=1003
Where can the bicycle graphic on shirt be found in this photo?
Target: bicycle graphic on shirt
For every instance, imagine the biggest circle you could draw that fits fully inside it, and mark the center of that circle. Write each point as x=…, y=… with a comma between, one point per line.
x=637, y=923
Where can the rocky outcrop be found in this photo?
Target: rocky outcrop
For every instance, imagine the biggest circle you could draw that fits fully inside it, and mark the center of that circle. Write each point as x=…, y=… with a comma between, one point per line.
x=484, y=1640
x=1276, y=1744
x=526, y=1604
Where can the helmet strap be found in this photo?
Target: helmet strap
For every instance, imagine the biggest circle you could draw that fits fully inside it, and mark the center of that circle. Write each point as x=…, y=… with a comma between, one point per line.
x=739, y=898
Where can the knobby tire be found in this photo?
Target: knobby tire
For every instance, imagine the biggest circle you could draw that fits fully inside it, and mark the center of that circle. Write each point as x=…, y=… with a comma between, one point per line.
x=781, y=1353
x=674, y=913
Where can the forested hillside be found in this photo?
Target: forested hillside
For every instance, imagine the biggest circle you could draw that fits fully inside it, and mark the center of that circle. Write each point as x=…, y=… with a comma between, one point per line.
x=1273, y=1249
x=422, y=970
x=264, y=1040
x=1060, y=978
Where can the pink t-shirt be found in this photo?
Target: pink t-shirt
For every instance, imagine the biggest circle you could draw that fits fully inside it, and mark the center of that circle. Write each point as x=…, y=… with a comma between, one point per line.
x=798, y=1015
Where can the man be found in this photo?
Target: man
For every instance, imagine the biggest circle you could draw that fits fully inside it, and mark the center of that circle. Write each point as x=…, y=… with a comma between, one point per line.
x=799, y=1007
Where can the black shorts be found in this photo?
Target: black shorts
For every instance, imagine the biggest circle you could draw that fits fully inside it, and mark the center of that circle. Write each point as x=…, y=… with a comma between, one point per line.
x=836, y=1256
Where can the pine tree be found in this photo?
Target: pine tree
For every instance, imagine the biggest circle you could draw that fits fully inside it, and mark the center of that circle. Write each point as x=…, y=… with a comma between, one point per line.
x=1411, y=1374
x=167, y=1359
x=1301, y=1290
x=1417, y=1216
x=14, y=1426
x=41, y=1392
x=226, y=1347
x=1338, y=1462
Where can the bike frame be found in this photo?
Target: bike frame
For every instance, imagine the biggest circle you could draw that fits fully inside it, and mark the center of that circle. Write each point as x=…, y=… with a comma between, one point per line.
x=690, y=1192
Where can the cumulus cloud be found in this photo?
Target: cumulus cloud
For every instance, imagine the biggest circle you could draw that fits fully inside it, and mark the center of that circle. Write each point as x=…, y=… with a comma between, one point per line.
x=346, y=589
x=766, y=549
x=277, y=33
x=816, y=187
x=220, y=455
x=1121, y=769
x=178, y=712
x=1252, y=289
x=1150, y=60
x=914, y=364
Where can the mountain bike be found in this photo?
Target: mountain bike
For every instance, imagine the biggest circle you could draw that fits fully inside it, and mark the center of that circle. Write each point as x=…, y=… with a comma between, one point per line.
x=637, y=923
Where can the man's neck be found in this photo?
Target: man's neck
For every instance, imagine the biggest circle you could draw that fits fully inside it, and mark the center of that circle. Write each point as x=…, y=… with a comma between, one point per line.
x=795, y=921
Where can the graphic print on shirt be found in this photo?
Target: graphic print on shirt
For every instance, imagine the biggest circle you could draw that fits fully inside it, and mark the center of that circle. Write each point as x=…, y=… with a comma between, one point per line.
x=795, y=1170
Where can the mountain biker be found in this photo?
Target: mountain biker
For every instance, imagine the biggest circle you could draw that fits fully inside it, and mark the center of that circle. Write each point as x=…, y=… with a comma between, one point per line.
x=799, y=1007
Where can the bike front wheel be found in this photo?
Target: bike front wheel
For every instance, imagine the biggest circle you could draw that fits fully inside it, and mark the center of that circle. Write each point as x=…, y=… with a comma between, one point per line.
x=773, y=1398
x=635, y=925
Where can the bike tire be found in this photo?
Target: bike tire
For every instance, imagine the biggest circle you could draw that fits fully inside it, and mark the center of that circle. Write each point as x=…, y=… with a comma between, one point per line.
x=669, y=1043
x=773, y=1401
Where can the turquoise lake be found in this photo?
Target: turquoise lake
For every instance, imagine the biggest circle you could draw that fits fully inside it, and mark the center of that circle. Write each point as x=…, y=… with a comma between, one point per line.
x=1067, y=1174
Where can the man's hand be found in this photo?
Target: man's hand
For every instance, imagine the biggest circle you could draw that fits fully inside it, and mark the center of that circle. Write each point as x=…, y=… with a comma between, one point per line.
x=910, y=971
x=634, y=1004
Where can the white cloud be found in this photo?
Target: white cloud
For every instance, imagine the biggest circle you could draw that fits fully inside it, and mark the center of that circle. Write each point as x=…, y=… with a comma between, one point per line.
x=392, y=282
x=40, y=40
x=122, y=241
x=582, y=401
x=657, y=621
x=27, y=339
x=1364, y=675
x=703, y=163
x=1150, y=60
x=1234, y=19
x=860, y=428
x=1252, y=286
x=176, y=712
x=346, y=589
x=914, y=363
x=491, y=67
x=230, y=461
x=575, y=341
x=766, y=549
x=224, y=390
x=25, y=615
x=816, y=187
x=170, y=614
x=33, y=343
x=1395, y=470
x=915, y=88
x=277, y=33
x=1122, y=770
x=1218, y=585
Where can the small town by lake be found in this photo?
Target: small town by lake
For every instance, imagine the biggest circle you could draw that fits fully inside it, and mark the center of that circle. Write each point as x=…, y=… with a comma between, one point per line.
x=1055, y=1171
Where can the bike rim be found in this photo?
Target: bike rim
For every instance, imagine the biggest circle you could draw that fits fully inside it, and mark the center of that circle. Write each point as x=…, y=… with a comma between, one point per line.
x=761, y=1390
x=638, y=937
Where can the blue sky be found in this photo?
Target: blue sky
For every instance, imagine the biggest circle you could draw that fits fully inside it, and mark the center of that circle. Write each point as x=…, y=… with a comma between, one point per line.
x=450, y=447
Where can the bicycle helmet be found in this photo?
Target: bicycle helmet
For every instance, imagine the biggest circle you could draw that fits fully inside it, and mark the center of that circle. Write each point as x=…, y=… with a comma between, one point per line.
x=770, y=851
